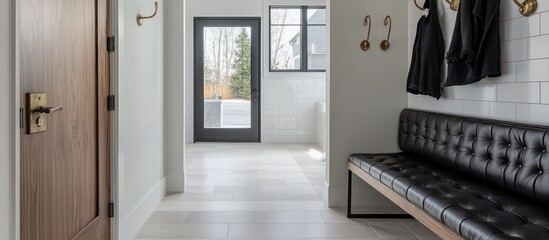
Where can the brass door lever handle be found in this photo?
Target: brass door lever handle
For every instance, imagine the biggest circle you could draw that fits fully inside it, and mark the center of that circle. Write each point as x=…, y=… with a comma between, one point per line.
x=48, y=110
x=38, y=111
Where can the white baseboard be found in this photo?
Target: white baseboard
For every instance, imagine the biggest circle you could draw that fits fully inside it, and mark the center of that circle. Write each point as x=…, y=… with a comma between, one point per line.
x=132, y=223
x=176, y=182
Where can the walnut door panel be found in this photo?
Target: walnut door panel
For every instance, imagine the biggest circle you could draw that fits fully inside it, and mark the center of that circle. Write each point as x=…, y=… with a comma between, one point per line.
x=64, y=170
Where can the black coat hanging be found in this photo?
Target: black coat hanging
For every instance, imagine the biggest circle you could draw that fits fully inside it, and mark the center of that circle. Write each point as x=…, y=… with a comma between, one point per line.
x=475, y=48
x=424, y=77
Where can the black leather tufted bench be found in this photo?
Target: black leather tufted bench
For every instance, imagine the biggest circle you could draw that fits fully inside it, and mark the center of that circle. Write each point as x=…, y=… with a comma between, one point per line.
x=464, y=177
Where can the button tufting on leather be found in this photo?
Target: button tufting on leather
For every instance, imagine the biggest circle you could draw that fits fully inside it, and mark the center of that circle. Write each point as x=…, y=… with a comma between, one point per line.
x=458, y=186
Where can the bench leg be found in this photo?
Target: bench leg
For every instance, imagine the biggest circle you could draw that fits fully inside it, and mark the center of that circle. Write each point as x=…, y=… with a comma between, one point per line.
x=355, y=215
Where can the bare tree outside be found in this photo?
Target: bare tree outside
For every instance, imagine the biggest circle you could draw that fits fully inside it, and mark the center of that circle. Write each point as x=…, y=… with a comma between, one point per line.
x=280, y=58
x=287, y=28
x=284, y=29
x=220, y=45
x=227, y=77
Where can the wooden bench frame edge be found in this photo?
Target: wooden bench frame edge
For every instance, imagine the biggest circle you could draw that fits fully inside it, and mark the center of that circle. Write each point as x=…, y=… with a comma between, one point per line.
x=424, y=218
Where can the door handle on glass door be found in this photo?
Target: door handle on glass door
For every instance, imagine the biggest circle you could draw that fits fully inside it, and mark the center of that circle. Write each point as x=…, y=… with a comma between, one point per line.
x=254, y=90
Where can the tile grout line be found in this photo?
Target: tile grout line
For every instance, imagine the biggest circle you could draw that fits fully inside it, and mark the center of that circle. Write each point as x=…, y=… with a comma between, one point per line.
x=409, y=229
x=228, y=229
x=308, y=179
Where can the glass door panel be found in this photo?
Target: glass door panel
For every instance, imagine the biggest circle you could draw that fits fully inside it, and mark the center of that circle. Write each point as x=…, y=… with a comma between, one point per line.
x=227, y=79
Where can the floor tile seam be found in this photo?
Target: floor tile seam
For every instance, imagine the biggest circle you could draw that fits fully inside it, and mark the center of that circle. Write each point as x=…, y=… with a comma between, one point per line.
x=375, y=231
x=308, y=179
x=409, y=229
x=323, y=217
x=381, y=237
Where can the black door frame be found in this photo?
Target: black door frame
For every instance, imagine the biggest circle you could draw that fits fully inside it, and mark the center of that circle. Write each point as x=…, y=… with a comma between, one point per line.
x=202, y=134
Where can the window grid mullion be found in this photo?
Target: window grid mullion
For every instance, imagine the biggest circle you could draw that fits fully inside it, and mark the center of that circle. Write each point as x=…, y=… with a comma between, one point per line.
x=304, y=38
x=285, y=25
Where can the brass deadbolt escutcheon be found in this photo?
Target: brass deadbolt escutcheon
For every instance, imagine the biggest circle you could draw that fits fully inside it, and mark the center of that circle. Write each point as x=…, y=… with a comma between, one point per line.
x=41, y=121
x=37, y=112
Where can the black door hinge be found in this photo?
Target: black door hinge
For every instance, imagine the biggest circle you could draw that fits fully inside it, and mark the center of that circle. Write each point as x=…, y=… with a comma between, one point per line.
x=110, y=44
x=111, y=103
x=111, y=210
x=21, y=115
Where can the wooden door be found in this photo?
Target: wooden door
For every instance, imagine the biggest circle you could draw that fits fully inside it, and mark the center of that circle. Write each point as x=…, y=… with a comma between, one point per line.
x=64, y=170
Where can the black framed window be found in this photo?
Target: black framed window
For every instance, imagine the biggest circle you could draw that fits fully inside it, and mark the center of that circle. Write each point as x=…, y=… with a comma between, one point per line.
x=297, y=39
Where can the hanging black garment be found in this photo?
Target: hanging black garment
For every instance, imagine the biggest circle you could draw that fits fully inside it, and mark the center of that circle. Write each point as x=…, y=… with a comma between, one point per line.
x=425, y=77
x=475, y=48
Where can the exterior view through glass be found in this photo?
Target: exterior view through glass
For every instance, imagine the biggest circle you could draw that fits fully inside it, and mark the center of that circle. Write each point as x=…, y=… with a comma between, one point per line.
x=227, y=77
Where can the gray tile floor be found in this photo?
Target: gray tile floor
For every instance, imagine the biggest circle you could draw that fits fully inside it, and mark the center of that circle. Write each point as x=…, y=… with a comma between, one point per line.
x=261, y=191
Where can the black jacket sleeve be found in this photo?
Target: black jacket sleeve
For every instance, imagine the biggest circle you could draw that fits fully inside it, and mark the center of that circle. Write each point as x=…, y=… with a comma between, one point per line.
x=425, y=76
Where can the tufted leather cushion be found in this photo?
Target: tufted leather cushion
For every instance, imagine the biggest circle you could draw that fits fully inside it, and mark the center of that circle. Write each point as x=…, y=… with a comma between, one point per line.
x=511, y=156
x=474, y=209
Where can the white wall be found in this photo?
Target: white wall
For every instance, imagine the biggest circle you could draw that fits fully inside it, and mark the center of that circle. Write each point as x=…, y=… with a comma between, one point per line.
x=140, y=115
x=174, y=130
x=207, y=8
x=522, y=93
x=287, y=99
x=7, y=77
x=366, y=92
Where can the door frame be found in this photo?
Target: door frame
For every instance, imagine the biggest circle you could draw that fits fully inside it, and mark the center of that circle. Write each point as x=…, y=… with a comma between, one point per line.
x=198, y=110
x=111, y=18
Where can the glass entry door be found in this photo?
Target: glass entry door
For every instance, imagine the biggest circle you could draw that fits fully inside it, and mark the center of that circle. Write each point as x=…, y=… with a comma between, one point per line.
x=227, y=66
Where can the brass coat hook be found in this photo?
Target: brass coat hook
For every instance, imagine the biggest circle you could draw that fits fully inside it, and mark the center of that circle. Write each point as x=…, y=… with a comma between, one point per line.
x=140, y=18
x=365, y=45
x=385, y=44
x=454, y=4
x=528, y=7
x=417, y=5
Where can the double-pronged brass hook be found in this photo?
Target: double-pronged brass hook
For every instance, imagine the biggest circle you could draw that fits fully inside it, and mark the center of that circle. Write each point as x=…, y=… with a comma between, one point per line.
x=528, y=7
x=140, y=18
x=454, y=4
x=417, y=5
x=385, y=44
x=365, y=45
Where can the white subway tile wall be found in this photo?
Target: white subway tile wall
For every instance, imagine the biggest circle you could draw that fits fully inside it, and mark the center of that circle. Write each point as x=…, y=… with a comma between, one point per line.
x=545, y=27
x=288, y=108
x=521, y=94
